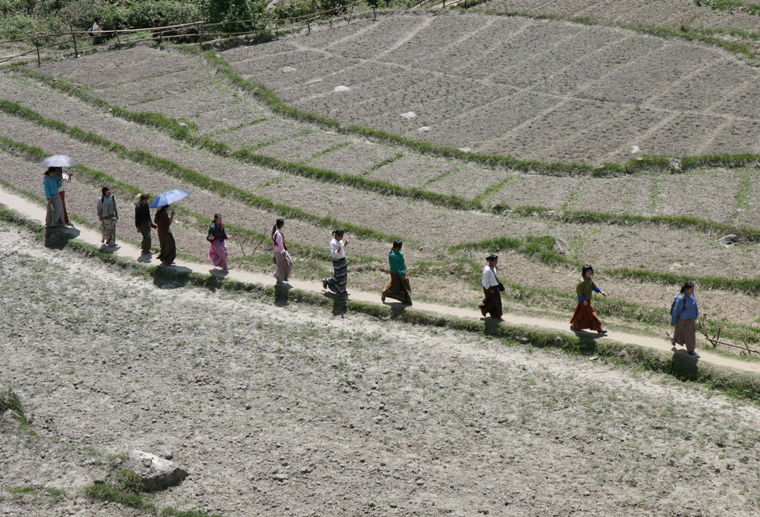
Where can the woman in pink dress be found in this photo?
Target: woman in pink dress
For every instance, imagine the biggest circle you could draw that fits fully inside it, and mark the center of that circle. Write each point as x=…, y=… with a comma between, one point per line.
x=281, y=255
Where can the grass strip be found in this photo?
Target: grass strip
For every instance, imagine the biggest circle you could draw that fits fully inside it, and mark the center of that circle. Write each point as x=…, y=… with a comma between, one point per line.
x=744, y=385
x=178, y=132
x=542, y=248
x=589, y=217
x=177, y=171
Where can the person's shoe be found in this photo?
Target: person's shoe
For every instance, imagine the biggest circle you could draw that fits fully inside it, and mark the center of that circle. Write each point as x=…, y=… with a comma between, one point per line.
x=573, y=328
x=693, y=354
x=601, y=332
x=671, y=338
x=324, y=284
x=382, y=299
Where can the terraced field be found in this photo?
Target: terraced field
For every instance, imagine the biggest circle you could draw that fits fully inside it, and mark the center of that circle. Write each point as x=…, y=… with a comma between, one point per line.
x=239, y=156
x=530, y=88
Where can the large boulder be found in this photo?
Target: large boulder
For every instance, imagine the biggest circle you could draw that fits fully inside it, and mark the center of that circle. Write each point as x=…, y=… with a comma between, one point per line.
x=155, y=472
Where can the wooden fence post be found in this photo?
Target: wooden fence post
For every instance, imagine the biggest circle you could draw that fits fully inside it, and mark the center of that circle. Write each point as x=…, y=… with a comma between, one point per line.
x=74, y=37
x=200, y=36
x=37, y=46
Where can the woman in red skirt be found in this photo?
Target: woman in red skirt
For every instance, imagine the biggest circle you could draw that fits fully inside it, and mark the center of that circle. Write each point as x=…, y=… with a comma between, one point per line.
x=585, y=316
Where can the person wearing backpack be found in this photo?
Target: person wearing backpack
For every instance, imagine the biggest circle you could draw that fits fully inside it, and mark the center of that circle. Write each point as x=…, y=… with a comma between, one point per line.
x=683, y=316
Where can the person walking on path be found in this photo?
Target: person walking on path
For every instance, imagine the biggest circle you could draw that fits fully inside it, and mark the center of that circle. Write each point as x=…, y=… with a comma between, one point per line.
x=62, y=191
x=683, y=317
x=337, y=283
x=108, y=214
x=585, y=316
x=143, y=224
x=491, y=303
x=216, y=236
x=398, y=288
x=281, y=255
x=54, y=215
x=163, y=221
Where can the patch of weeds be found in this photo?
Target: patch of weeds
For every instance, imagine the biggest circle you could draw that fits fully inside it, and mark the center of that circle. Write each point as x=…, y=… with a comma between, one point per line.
x=10, y=400
x=743, y=193
x=18, y=490
x=383, y=163
x=328, y=151
x=495, y=189
x=129, y=481
x=655, y=194
x=114, y=493
x=173, y=512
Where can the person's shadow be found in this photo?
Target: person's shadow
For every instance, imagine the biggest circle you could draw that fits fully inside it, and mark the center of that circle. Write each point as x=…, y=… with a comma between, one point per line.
x=397, y=308
x=145, y=258
x=683, y=365
x=584, y=335
x=281, y=294
x=170, y=277
x=59, y=237
x=340, y=303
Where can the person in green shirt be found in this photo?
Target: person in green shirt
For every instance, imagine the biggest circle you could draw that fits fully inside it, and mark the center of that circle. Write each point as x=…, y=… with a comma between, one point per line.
x=398, y=288
x=585, y=316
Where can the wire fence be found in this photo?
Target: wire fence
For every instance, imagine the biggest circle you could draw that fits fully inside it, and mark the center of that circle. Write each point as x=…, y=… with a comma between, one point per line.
x=199, y=32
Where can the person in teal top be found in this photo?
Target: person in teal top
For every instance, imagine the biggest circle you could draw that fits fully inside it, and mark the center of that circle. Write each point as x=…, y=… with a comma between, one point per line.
x=398, y=288
x=54, y=217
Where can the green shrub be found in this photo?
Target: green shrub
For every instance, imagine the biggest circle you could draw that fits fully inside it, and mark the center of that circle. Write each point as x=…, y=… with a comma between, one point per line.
x=129, y=481
x=146, y=13
x=10, y=400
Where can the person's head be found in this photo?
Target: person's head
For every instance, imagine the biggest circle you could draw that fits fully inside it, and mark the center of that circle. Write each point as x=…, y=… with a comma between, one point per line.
x=52, y=171
x=588, y=271
x=492, y=259
x=338, y=234
x=143, y=199
x=97, y=18
x=397, y=245
x=217, y=218
x=278, y=224
x=687, y=287
x=106, y=190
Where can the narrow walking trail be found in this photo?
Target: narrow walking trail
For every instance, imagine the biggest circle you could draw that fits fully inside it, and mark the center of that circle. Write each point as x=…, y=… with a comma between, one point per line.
x=36, y=212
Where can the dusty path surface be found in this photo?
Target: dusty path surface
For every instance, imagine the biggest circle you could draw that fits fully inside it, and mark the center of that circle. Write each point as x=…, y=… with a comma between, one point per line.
x=36, y=212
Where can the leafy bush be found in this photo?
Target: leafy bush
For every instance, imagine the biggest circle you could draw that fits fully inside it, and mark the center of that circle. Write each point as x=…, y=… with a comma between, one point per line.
x=220, y=11
x=147, y=13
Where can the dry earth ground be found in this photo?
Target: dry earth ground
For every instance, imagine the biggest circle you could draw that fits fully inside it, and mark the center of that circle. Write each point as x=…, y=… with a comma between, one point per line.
x=363, y=416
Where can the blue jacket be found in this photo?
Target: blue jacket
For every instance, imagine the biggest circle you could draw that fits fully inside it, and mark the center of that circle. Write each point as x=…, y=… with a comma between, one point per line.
x=51, y=186
x=685, y=309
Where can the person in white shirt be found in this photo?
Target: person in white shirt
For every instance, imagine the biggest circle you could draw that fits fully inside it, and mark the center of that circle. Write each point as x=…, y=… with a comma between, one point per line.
x=337, y=283
x=491, y=287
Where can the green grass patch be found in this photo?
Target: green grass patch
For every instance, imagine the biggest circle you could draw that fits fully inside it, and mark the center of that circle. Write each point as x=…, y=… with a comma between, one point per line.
x=115, y=494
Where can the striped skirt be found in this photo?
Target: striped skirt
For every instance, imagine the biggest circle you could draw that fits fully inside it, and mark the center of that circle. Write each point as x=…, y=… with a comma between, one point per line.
x=337, y=283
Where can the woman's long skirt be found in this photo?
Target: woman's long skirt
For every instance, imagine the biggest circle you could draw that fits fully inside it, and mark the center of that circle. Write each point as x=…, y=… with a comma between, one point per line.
x=168, y=247
x=218, y=253
x=491, y=303
x=398, y=289
x=337, y=283
x=146, y=238
x=284, y=265
x=686, y=334
x=62, y=193
x=54, y=216
x=585, y=317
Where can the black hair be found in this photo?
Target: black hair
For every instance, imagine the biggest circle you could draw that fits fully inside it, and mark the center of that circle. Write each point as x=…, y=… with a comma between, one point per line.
x=277, y=224
x=105, y=187
x=144, y=197
x=492, y=257
x=338, y=232
x=397, y=245
x=686, y=286
x=587, y=267
x=217, y=216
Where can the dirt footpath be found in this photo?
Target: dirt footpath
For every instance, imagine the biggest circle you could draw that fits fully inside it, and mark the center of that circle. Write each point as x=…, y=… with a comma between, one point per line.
x=36, y=212
x=292, y=411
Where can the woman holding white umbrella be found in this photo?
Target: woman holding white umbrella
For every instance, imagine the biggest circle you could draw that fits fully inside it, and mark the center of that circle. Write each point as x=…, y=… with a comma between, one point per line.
x=53, y=183
x=163, y=220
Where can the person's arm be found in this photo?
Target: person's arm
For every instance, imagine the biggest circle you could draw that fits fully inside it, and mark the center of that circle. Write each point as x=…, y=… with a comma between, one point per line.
x=677, y=310
x=579, y=293
x=137, y=217
x=171, y=217
x=100, y=209
x=115, y=211
x=599, y=290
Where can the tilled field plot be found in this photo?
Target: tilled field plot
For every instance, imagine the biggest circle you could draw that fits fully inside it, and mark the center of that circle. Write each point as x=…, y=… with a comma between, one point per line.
x=355, y=415
x=627, y=71
x=669, y=13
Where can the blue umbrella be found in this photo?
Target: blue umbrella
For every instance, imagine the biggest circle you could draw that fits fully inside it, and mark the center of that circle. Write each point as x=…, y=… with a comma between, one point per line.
x=169, y=197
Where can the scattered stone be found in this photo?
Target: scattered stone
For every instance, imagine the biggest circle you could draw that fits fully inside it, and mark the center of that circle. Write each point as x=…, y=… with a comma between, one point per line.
x=341, y=88
x=424, y=129
x=155, y=472
x=560, y=246
x=167, y=455
x=280, y=477
x=558, y=341
x=635, y=149
x=184, y=126
x=288, y=69
x=99, y=478
x=731, y=239
x=409, y=115
x=674, y=164
x=593, y=358
x=522, y=339
x=465, y=149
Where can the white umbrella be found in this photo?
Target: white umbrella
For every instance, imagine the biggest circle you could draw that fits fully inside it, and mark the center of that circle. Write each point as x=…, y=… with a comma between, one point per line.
x=59, y=160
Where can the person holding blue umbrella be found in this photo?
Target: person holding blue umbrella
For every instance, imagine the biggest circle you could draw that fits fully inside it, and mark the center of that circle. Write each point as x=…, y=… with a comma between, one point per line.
x=164, y=219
